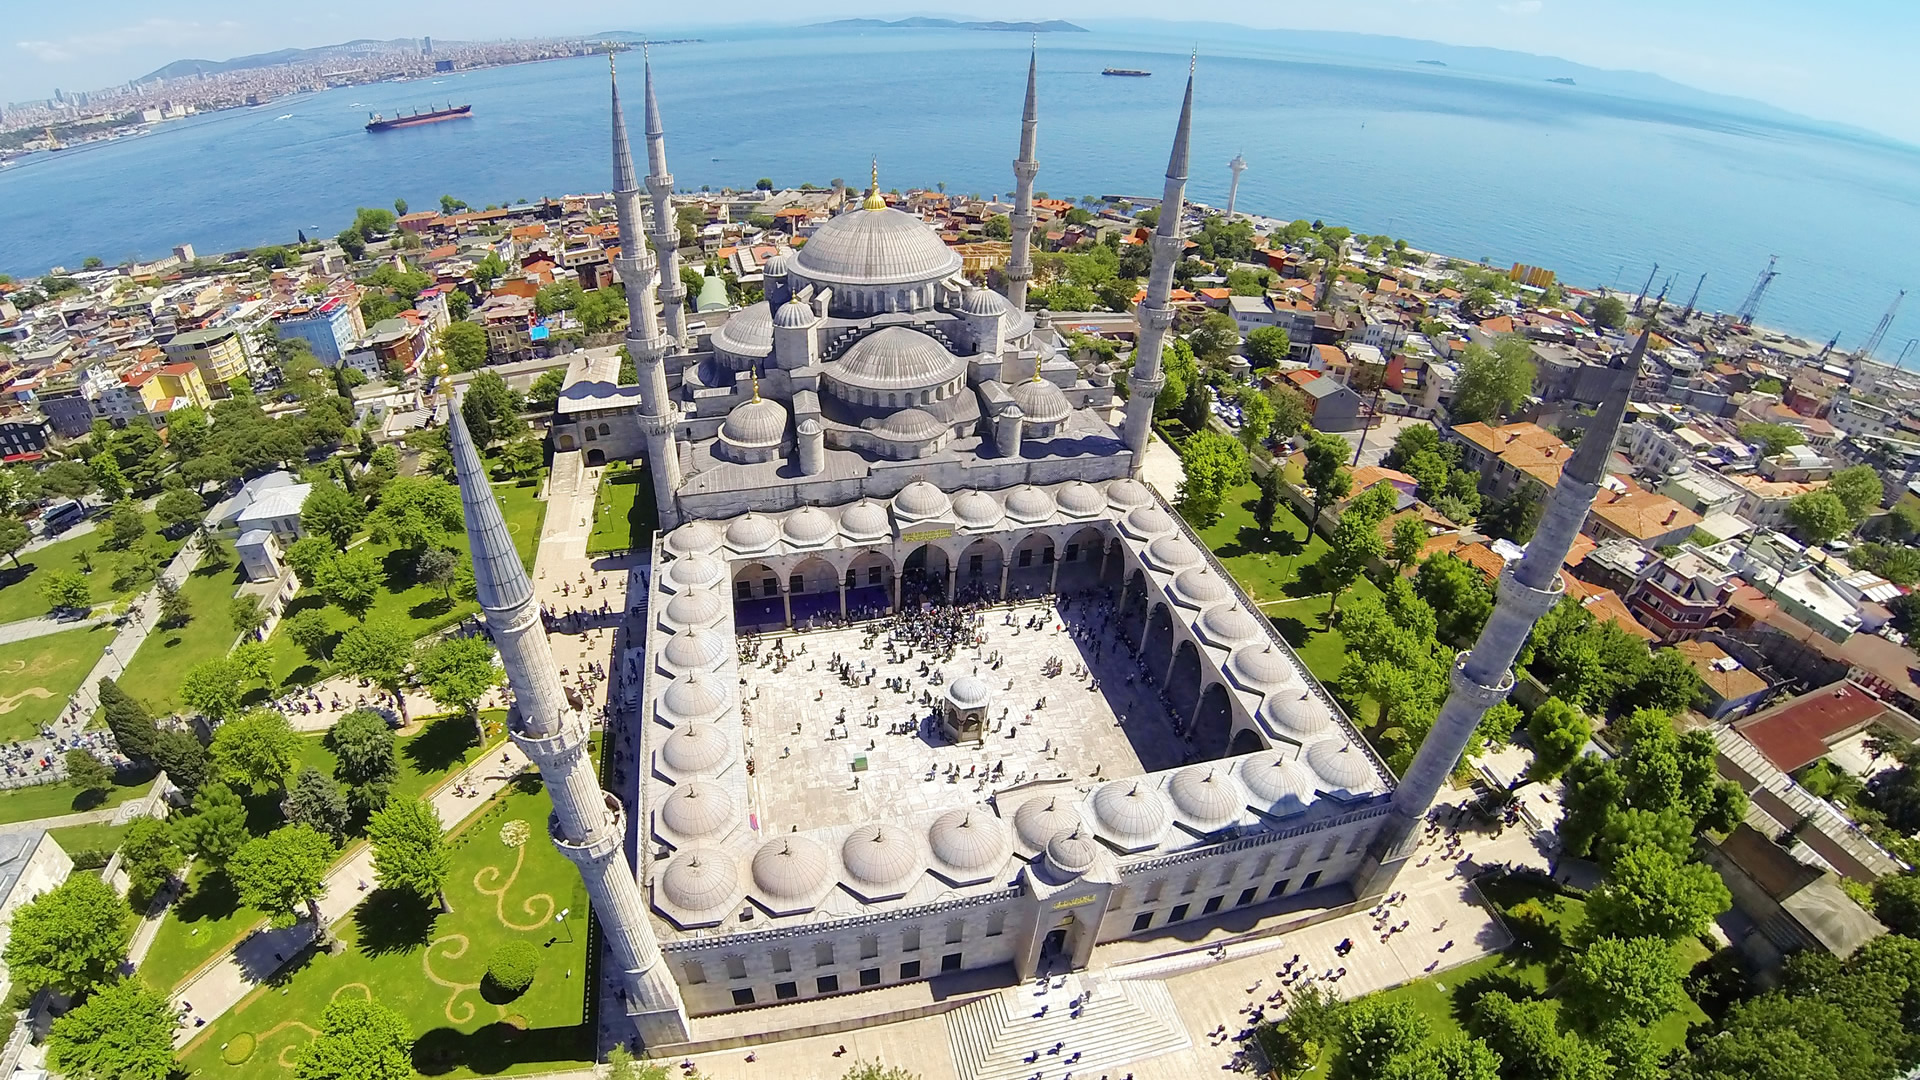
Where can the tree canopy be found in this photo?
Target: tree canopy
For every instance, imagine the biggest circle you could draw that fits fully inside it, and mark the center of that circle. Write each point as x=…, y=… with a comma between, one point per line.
x=121, y=1032
x=1492, y=383
x=359, y=1039
x=255, y=751
x=1214, y=464
x=410, y=852
x=72, y=938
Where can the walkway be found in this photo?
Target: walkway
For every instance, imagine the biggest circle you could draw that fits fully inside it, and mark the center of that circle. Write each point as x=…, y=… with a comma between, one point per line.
x=45, y=625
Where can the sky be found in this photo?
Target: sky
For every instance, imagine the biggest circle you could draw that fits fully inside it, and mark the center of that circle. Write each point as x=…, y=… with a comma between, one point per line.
x=1835, y=60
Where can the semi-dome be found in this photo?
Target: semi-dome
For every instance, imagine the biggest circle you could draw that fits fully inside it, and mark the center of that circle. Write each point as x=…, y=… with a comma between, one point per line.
x=1040, y=401
x=865, y=520
x=969, y=692
x=752, y=532
x=1278, y=785
x=1228, y=626
x=1145, y=523
x=790, y=868
x=695, y=537
x=1296, y=713
x=880, y=856
x=896, y=358
x=1340, y=766
x=1071, y=852
x=976, y=510
x=696, y=571
x=920, y=500
x=793, y=315
x=694, y=747
x=1262, y=669
x=1130, y=813
x=810, y=525
x=1127, y=493
x=694, y=697
x=701, y=879
x=1029, y=503
x=875, y=247
x=696, y=650
x=1207, y=795
x=1080, y=499
x=1200, y=588
x=747, y=332
x=910, y=424
x=970, y=839
x=697, y=808
x=1040, y=817
x=756, y=422
x=778, y=265
x=696, y=607
x=984, y=302
x=1171, y=553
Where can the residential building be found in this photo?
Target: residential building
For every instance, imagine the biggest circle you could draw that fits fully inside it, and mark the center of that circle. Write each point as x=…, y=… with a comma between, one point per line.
x=1764, y=502
x=1703, y=492
x=324, y=323
x=166, y=387
x=24, y=437
x=270, y=503
x=1508, y=456
x=1680, y=595
x=1646, y=517
x=1790, y=907
x=220, y=352
x=1335, y=406
x=1728, y=688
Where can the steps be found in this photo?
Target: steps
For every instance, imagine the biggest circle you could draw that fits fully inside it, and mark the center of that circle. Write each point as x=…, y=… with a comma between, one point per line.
x=567, y=470
x=1120, y=1021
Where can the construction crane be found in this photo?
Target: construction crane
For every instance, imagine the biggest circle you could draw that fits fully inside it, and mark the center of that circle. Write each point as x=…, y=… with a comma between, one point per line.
x=1831, y=342
x=1640, y=301
x=1691, y=300
x=1880, y=329
x=1751, y=305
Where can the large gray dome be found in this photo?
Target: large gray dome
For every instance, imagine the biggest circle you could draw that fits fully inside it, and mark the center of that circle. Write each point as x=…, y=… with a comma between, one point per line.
x=984, y=302
x=1041, y=401
x=1341, y=767
x=793, y=315
x=790, y=868
x=1296, y=713
x=1130, y=813
x=969, y=692
x=881, y=856
x=970, y=839
x=896, y=358
x=697, y=808
x=1029, y=503
x=1206, y=795
x=1081, y=499
x=747, y=332
x=696, y=607
x=1128, y=493
x=756, y=422
x=920, y=500
x=1040, y=817
x=696, y=650
x=875, y=247
x=810, y=525
x=701, y=879
x=1228, y=627
x=695, y=537
x=1262, y=669
x=1280, y=786
x=1071, y=852
x=910, y=425
x=865, y=520
x=752, y=532
x=694, y=697
x=694, y=748
x=695, y=571
x=976, y=509
x=1200, y=588
x=1171, y=553
x=1145, y=523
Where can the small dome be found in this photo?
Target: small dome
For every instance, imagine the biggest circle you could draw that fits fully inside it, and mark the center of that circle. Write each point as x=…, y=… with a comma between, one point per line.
x=970, y=839
x=755, y=422
x=777, y=266
x=808, y=427
x=1207, y=795
x=1130, y=813
x=865, y=520
x=910, y=424
x=1200, y=588
x=1071, y=852
x=969, y=692
x=1262, y=669
x=880, y=855
x=790, y=868
x=896, y=358
x=754, y=532
x=695, y=537
x=695, y=650
x=1040, y=817
x=810, y=525
x=696, y=571
x=1227, y=626
x=1146, y=522
x=694, y=697
x=697, y=808
x=920, y=500
x=1029, y=503
x=1040, y=401
x=747, y=332
x=1277, y=784
x=793, y=315
x=1081, y=499
x=1340, y=766
x=701, y=879
x=696, y=607
x=694, y=748
x=1127, y=494
x=1296, y=713
x=1171, y=553
x=976, y=510
x=1103, y=369
x=984, y=302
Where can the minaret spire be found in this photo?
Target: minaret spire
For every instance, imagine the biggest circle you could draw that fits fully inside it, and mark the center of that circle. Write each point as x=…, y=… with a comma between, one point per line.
x=666, y=226
x=1155, y=314
x=645, y=343
x=588, y=824
x=1019, y=268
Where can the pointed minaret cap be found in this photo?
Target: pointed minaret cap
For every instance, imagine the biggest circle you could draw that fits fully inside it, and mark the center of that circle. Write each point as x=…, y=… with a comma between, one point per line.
x=1032, y=111
x=654, y=127
x=1177, y=161
x=1589, y=461
x=623, y=174
x=499, y=580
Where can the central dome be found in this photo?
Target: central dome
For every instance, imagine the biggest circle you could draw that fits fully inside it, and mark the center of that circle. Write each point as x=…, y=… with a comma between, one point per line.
x=896, y=358
x=758, y=422
x=875, y=247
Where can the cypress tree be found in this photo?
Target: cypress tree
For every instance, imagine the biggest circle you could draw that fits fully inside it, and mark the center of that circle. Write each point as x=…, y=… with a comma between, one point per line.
x=132, y=728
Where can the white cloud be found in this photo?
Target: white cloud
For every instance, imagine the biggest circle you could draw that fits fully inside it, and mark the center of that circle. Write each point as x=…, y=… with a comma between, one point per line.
x=145, y=34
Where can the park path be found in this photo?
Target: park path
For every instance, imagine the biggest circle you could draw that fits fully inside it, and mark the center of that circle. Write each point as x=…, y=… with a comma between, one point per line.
x=46, y=625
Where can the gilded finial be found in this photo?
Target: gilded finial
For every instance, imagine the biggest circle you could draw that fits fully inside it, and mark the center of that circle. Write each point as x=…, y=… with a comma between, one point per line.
x=874, y=201
x=754, y=374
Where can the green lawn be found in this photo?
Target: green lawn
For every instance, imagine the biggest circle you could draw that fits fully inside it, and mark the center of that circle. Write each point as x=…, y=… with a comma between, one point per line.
x=39, y=675
x=155, y=673
x=111, y=573
x=430, y=967
x=101, y=838
x=623, y=511
x=54, y=800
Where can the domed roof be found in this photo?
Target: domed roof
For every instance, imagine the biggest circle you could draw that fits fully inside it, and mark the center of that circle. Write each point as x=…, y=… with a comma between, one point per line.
x=777, y=265
x=1040, y=817
x=920, y=500
x=1261, y=668
x=864, y=520
x=1227, y=625
x=696, y=607
x=969, y=692
x=1296, y=713
x=910, y=424
x=757, y=421
x=1130, y=813
x=1280, y=785
x=1207, y=794
x=695, y=537
x=970, y=839
x=695, y=650
x=875, y=247
x=1071, y=852
x=1146, y=522
x=896, y=358
x=809, y=426
x=752, y=532
x=793, y=315
x=701, y=879
x=747, y=332
x=695, y=571
x=1029, y=503
x=880, y=856
x=1171, y=553
x=1200, y=587
x=697, y=808
x=1127, y=493
x=694, y=748
x=790, y=868
x=810, y=525
x=1080, y=499
x=694, y=697
x=984, y=302
x=1340, y=766
x=1041, y=401
x=976, y=509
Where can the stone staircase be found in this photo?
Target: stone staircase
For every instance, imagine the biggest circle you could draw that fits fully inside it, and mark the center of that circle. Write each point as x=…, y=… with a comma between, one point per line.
x=567, y=473
x=1008, y=1036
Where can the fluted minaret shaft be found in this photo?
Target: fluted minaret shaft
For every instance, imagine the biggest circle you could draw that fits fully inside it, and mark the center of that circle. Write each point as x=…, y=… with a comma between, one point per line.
x=1484, y=677
x=588, y=824
x=1155, y=315
x=645, y=343
x=1020, y=264
x=666, y=225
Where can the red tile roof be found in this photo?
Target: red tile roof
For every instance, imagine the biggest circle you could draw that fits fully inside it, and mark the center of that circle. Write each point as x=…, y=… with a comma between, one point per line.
x=1797, y=733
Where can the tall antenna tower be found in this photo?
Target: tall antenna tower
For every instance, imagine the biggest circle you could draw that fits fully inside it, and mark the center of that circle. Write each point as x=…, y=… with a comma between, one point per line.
x=1751, y=304
x=1880, y=329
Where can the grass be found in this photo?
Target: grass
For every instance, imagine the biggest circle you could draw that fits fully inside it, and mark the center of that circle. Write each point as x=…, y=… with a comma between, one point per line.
x=209, y=918
x=624, y=517
x=100, y=837
x=111, y=576
x=54, y=800
x=159, y=667
x=39, y=675
x=431, y=967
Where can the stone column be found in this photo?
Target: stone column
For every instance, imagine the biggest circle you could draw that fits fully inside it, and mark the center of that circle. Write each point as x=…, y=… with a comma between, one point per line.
x=1053, y=576
x=843, y=598
x=953, y=579
x=1006, y=564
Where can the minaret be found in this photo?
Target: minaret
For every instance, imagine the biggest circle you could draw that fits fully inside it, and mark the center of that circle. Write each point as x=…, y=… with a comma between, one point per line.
x=1237, y=166
x=1020, y=266
x=645, y=343
x=666, y=226
x=588, y=824
x=1155, y=316
x=1528, y=589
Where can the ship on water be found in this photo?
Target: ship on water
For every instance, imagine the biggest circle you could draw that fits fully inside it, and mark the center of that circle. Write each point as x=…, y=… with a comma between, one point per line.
x=434, y=116
x=1131, y=73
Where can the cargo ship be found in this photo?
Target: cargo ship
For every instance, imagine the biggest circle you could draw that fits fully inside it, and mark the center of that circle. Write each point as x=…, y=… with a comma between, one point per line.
x=451, y=112
x=1131, y=73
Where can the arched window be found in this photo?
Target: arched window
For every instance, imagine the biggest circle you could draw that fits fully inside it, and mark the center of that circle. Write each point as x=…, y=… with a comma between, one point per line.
x=605, y=430
x=590, y=435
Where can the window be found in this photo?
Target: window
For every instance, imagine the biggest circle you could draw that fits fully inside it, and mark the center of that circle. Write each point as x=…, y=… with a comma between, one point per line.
x=1153, y=890
x=950, y=962
x=996, y=924
x=954, y=930
x=1046, y=556
x=869, y=946
x=1247, y=896
x=743, y=995
x=1073, y=552
x=1310, y=881
x=796, y=584
x=873, y=575
x=869, y=976
x=743, y=590
x=782, y=960
x=910, y=969
x=1213, y=905
x=786, y=991
x=1279, y=888
x=1026, y=557
x=851, y=580
x=827, y=984
x=910, y=939
x=1178, y=913
x=770, y=586
x=736, y=967
x=976, y=564
x=695, y=973
x=1142, y=921
x=823, y=954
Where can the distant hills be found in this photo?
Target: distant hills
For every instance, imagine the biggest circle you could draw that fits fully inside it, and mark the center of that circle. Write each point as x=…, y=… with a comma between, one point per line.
x=1050, y=26
x=180, y=69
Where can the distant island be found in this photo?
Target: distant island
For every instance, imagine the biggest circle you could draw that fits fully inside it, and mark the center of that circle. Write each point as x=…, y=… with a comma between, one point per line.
x=1432, y=63
x=1563, y=81
x=1051, y=26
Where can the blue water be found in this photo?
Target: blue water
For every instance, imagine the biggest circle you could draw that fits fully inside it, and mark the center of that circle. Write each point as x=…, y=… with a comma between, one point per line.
x=1596, y=187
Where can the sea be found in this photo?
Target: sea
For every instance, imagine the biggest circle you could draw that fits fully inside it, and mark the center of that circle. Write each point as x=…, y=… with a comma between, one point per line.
x=1599, y=186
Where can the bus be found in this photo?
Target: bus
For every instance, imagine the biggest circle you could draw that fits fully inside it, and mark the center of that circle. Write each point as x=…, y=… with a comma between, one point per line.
x=60, y=515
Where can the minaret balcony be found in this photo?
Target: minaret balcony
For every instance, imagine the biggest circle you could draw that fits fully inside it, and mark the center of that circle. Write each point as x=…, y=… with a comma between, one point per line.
x=600, y=844
x=550, y=751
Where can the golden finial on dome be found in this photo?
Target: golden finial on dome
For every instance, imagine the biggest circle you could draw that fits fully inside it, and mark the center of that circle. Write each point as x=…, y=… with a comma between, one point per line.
x=754, y=374
x=874, y=201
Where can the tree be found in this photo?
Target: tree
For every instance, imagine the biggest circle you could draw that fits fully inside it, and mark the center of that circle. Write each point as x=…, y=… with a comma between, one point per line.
x=463, y=345
x=622, y=1065
x=1630, y=981
x=87, y=773
x=1290, y=412
x=350, y=581
x=362, y=744
x=317, y=801
x=1266, y=345
x=1896, y=902
x=379, y=651
x=70, y=939
x=69, y=479
x=256, y=751
x=309, y=553
x=359, y=1039
x=1355, y=542
x=1459, y=595
x=1858, y=489
x=125, y=525
x=283, y=871
x=1214, y=338
x=1452, y=1057
x=416, y=511
x=491, y=410
x=246, y=614
x=108, y=477
x=332, y=512
x=352, y=243
x=1558, y=732
x=308, y=629
x=1514, y=517
x=1492, y=382
x=183, y=759
x=1326, y=471
x=410, y=851
x=149, y=855
x=1529, y=1042
x=1667, y=683
x=874, y=1070
x=1214, y=465
x=122, y=1032
x=1609, y=312
x=998, y=227
x=458, y=672
x=1269, y=503
x=763, y=184
x=178, y=507
x=1409, y=540
x=1650, y=892
x=213, y=688
x=1413, y=441
x=14, y=535
x=1373, y=1032
x=1819, y=516
x=545, y=391
x=175, y=609
x=1771, y=439
x=217, y=827
x=133, y=730
x=67, y=591
x=1256, y=416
